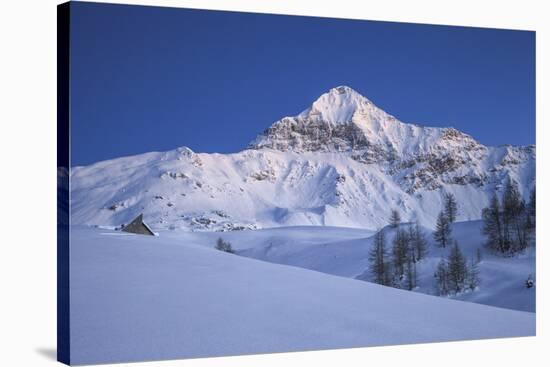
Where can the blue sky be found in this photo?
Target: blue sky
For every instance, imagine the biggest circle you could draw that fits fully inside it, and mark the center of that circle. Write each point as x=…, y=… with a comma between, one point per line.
x=153, y=79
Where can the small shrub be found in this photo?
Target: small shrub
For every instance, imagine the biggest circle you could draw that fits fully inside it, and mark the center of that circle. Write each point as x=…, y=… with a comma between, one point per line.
x=224, y=246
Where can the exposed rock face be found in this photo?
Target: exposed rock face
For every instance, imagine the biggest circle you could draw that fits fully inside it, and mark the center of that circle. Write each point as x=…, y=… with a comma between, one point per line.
x=299, y=134
x=417, y=157
x=332, y=124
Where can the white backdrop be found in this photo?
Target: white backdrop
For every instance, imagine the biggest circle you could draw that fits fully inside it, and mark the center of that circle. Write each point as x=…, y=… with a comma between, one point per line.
x=27, y=180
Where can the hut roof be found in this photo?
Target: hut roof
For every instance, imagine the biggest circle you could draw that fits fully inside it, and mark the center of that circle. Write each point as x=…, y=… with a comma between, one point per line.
x=138, y=226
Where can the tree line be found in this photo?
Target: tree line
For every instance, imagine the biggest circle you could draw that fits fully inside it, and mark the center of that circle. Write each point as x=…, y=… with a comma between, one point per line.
x=454, y=275
x=443, y=230
x=397, y=267
x=509, y=223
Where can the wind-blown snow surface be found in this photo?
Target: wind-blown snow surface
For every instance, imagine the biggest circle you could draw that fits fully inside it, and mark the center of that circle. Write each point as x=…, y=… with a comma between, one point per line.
x=341, y=162
x=344, y=252
x=147, y=298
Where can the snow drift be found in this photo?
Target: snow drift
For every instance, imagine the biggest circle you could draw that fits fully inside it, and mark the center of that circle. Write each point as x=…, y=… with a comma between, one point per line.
x=136, y=298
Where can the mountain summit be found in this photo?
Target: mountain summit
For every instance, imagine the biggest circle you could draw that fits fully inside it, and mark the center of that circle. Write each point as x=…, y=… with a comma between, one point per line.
x=340, y=106
x=343, y=120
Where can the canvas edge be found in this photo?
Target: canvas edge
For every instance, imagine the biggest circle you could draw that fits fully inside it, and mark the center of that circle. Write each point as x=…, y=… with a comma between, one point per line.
x=63, y=167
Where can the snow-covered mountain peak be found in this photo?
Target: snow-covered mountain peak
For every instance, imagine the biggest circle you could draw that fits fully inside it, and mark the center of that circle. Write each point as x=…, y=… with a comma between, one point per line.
x=339, y=120
x=184, y=150
x=343, y=105
x=343, y=120
x=337, y=106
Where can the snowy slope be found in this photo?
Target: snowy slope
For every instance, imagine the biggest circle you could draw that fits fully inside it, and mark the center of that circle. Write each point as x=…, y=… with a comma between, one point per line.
x=344, y=252
x=147, y=298
x=341, y=162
